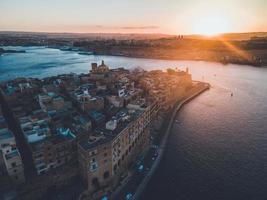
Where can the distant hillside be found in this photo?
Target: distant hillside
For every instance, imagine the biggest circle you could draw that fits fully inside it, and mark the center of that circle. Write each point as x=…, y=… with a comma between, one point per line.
x=94, y=36
x=231, y=36
x=133, y=36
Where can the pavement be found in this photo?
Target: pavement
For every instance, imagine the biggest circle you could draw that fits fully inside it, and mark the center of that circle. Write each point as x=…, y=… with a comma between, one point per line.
x=141, y=168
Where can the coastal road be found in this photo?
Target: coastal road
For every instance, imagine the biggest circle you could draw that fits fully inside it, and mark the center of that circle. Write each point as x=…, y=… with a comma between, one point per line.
x=133, y=188
x=137, y=176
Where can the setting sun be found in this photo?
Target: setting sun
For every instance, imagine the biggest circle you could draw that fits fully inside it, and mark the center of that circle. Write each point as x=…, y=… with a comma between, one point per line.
x=210, y=26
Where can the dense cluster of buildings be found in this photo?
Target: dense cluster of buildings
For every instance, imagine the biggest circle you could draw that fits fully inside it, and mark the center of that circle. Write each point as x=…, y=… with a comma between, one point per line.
x=11, y=166
x=97, y=123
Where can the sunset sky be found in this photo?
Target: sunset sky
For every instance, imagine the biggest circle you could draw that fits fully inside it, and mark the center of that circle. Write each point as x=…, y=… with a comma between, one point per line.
x=134, y=16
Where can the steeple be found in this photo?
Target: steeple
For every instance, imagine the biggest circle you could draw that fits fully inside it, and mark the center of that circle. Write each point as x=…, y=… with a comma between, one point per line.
x=103, y=67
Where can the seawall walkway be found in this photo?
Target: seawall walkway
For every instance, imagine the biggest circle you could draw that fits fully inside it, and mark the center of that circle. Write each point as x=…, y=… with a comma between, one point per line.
x=199, y=88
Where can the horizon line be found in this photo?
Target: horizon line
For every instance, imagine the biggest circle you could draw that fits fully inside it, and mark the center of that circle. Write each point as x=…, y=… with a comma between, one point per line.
x=131, y=33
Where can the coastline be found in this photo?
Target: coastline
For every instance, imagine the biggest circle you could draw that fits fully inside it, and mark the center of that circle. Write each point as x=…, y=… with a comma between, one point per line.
x=85, y=52
x=202, y=88
x=223, y=62
x=181, y=59
x=168, y=54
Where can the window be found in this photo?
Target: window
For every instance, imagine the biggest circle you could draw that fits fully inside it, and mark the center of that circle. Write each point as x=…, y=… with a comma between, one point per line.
x=95, y=182
x=93, y=165
x=92, y=153
x=115, y=167
x=38, y=155
x=106, y=175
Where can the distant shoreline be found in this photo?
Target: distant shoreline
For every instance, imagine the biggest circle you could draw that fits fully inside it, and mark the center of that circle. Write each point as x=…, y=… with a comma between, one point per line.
x=181, y=59
x=230, y=48
x=84, y=52
x=132, y=54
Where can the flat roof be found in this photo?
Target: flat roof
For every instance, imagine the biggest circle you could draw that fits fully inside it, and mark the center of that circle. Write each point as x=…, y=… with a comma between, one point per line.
x=14, y=153
x=86, y=144
x=104, y=135
x=54, y=139
x=5, y=134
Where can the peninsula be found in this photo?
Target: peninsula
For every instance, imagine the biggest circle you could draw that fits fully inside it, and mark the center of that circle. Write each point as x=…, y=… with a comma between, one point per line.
x=95, y=132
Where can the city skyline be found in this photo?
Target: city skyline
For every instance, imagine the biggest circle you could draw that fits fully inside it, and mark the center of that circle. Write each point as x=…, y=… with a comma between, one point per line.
x=117, y=16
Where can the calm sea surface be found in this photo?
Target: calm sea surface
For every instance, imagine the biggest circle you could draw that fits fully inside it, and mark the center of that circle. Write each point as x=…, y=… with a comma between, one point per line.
x=218, y=146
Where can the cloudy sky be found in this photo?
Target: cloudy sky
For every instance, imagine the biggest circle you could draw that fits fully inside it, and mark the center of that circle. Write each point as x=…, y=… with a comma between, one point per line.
x=134, y=16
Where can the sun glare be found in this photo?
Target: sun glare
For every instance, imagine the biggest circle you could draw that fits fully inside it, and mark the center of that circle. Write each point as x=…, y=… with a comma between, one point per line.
x=211, y=26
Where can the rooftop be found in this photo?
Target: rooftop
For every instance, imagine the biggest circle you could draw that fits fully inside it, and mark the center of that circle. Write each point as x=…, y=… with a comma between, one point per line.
x=5, y=134
x=94, y=141
x=3, y=123
x=55, y=139
x=14, y=153
x=102, y=135
x=96, y=115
